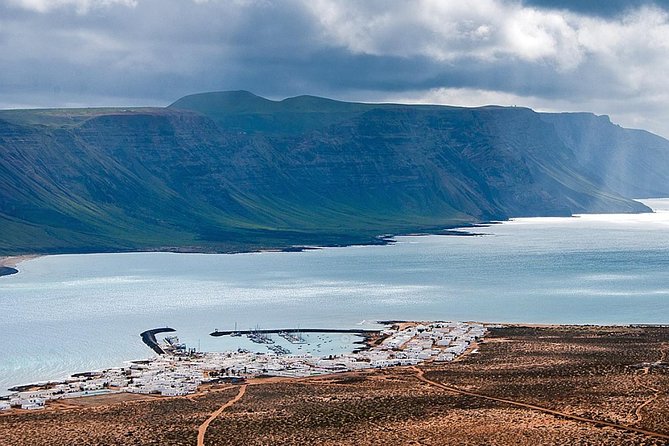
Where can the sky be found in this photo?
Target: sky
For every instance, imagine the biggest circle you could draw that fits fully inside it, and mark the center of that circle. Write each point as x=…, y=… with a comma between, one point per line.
x=608, y=57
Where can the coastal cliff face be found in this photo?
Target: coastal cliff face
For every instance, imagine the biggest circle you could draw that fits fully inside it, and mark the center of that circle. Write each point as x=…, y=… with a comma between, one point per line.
x=232, y=171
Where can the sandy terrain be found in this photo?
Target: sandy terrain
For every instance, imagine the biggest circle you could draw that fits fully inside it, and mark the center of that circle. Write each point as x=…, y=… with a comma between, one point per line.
x=526, y=386
x=12, y=261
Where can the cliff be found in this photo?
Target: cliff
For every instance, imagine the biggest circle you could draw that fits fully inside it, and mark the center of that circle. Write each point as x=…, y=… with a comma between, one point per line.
x=232, y=171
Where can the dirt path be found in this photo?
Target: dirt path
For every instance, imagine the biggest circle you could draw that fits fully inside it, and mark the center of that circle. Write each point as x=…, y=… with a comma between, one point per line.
x=420, y=375
x=656, y=393
x=203, y=427
x=638, y=417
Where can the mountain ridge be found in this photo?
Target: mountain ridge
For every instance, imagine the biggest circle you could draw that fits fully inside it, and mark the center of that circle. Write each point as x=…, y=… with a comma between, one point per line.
x=232, y=171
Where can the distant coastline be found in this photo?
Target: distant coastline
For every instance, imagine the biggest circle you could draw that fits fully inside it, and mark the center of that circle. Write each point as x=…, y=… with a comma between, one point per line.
x=10, y=262
x=8, y=265
x=7, y=270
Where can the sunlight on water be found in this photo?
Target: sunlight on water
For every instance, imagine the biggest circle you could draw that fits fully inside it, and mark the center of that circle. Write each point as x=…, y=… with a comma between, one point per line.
x=69, y=313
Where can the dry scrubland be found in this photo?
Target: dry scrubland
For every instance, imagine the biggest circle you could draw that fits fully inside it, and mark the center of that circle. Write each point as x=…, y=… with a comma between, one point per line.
x=591, y=372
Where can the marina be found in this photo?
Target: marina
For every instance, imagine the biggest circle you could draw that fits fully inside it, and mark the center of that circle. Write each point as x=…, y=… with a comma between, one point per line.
x=288, y=332
x=258, y=337
x=293, y=337
x=180, y=370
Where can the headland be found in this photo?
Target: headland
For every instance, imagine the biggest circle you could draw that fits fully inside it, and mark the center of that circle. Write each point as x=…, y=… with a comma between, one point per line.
x=8, y=264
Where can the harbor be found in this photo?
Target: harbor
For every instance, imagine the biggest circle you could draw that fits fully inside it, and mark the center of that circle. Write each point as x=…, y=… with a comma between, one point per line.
x=296, y=338
x=149, y=338
x=354, y=331
x=179, y=370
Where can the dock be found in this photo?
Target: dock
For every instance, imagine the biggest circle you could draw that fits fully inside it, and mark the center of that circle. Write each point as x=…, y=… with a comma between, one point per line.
x=356, y=331
x=149, y=338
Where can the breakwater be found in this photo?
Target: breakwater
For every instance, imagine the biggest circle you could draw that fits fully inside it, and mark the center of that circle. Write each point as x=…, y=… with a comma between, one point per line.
x=149, y=338
x=357, y=331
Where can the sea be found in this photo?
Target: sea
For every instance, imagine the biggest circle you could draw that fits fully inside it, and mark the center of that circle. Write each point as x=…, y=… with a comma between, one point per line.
x=64, y=314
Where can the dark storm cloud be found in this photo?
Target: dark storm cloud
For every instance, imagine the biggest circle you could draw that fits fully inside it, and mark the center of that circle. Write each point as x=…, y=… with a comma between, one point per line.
x=601, y=8
x=158, y=49
x=561, y=55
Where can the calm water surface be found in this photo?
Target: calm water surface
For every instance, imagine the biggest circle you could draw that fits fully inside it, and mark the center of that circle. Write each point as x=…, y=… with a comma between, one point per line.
x=69, y=313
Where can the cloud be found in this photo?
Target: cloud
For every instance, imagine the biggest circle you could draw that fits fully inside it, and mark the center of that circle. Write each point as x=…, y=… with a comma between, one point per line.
x=496, y=49
x=81, y=6
x=486, y=30
x=552, y=55
x=448, y=31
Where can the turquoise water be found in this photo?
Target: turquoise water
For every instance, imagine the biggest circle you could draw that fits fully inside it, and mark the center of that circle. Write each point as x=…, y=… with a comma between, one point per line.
x=69, y=313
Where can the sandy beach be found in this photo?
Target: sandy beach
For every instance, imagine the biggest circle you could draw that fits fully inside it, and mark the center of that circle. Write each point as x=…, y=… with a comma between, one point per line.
x=13, y=261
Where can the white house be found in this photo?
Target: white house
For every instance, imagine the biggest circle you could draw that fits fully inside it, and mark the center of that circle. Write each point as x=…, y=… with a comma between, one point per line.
x=33, y=404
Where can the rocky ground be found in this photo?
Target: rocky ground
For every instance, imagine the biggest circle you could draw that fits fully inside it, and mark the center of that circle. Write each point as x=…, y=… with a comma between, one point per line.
x=525, y=386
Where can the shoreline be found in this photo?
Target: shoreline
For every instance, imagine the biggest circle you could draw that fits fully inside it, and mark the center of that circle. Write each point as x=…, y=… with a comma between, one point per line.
x=369, y=338
x=11, y=261
x=8, y=264
x=463, y=229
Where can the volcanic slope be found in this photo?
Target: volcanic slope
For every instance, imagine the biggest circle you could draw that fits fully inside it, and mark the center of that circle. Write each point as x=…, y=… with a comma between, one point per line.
x=231, y=171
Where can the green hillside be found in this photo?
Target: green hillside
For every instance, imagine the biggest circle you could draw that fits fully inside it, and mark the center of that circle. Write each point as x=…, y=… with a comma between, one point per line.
x=231, y=171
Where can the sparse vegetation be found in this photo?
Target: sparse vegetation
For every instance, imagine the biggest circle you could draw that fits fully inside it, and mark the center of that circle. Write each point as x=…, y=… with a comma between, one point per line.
x=586, y=371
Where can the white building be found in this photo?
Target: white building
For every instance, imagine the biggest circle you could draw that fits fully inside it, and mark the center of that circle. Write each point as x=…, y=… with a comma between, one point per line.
x=32, y=404
x=173, y=391
x=445, y=357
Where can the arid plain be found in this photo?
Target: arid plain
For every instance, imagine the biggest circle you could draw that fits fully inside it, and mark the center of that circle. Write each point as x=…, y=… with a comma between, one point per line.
x=524, y=386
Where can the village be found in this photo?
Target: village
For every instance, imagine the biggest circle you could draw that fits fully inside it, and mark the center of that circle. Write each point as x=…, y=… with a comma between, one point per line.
x=181, y=371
